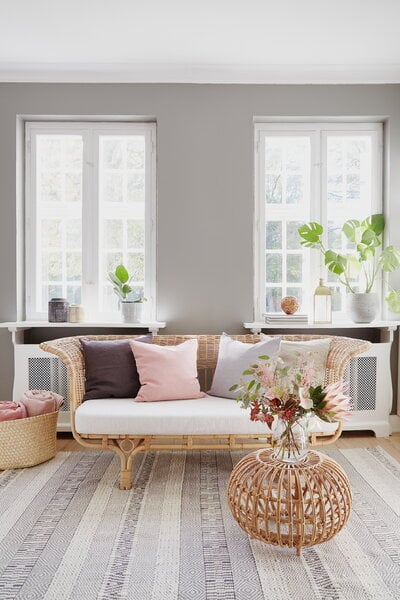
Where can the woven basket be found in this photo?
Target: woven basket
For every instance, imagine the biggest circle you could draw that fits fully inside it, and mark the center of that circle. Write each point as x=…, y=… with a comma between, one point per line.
x=28, y=442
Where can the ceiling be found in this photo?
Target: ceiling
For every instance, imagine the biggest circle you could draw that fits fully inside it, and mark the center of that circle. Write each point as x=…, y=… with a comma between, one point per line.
x=201, y=41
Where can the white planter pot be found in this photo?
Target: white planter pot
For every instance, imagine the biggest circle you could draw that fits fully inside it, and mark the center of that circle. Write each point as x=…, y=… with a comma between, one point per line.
x=362, y=308
x=131, y=312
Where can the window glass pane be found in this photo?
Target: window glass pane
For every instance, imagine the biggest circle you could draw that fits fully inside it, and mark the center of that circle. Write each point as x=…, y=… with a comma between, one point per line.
x=122, y=209
x=294, y=189
x=273, y=235
x=273, y=189
x=334, y=236
x=59, y=215
x=349, y=193
x=274, y=268
x=296, y=292
x=292, y=236
x=135, y=265
x=135, y=233
x=51, y=233
x=74, y=266
x=74, y=294
x=73, y=233
x=349, y=172
x=273, y=299
x=294, y=271
x=287, y=206
x=113, y=233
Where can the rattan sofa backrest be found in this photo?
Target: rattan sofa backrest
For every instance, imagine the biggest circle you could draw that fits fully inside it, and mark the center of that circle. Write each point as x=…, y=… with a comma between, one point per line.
x=68, y=349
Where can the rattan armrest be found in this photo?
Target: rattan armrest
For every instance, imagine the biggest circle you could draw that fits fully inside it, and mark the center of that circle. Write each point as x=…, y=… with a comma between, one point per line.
x=69, y=351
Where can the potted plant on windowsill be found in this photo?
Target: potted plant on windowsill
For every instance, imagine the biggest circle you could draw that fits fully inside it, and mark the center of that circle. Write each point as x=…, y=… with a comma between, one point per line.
x=131, y=310
x=358, y=269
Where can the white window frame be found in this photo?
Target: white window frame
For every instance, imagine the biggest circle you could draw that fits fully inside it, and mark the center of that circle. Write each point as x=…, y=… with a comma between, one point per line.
x=90, y=132
x=317, y=131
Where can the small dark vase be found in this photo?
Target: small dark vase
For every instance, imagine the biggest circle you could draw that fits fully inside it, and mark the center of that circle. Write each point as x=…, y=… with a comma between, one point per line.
x=58, y=310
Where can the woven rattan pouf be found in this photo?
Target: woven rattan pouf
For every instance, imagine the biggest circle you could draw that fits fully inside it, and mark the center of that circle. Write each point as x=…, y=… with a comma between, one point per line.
x=289, y=504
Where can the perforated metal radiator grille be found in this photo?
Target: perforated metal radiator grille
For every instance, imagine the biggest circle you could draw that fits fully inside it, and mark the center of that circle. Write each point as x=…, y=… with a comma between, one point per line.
x=49, y=374
x=361, y=374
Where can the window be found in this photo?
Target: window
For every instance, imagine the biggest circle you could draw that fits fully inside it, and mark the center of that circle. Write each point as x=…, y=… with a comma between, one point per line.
x=90, y=205
x=325, y=172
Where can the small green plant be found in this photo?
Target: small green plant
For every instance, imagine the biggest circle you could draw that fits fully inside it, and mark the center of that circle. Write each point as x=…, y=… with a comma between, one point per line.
x=121, y=280
x=365, y=260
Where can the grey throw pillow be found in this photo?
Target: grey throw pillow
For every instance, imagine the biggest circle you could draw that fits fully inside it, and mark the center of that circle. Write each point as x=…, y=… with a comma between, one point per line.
x=110, y=368
x=234, y=357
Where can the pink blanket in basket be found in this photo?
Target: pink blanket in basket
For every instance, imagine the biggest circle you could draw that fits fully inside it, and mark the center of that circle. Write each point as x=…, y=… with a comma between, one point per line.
x=40, y=402
x=12, y=410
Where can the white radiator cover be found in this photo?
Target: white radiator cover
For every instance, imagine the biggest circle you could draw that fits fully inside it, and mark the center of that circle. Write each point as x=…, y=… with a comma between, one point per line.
x=368, y=375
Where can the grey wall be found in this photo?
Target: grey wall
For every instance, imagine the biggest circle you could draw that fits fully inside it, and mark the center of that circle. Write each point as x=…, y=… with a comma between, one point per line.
x=205, y=183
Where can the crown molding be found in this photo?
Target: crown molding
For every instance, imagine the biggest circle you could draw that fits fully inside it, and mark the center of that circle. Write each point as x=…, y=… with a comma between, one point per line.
x=213, y=74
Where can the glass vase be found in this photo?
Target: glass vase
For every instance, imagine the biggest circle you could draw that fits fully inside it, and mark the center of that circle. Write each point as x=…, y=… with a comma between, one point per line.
x=290, y=440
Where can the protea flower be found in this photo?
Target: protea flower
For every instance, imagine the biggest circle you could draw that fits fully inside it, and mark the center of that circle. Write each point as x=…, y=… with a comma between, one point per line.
x=337, y=402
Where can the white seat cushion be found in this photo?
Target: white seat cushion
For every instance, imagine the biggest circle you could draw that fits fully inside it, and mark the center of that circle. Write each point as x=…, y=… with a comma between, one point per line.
x=200, y=416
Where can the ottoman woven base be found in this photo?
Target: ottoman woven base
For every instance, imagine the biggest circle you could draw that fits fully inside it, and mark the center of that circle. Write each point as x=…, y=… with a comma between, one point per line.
x=289, y=504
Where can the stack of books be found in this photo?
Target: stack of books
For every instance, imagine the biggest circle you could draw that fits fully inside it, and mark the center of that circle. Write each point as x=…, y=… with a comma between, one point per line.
x=279, y=318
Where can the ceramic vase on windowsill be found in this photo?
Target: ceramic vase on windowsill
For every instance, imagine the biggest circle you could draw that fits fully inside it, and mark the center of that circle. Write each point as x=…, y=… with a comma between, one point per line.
x=131, y=312
x=362, y=308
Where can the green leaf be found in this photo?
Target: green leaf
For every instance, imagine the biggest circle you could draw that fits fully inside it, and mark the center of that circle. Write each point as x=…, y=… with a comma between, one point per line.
x=122, y=273
x=375, y=222
x=365, y=252
x=352, y=230
x=248, y=372
x=311, y=234
x=126, y=289
x=114, y=279
x=390, y=259
x=335, y=262
x=233, y=387
x=251, y=384
x=393, y=300
x=369, y=238
x=263, y=357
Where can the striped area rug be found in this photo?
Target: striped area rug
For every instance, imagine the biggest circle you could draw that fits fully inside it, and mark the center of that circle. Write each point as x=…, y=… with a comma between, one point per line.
x=67, y=531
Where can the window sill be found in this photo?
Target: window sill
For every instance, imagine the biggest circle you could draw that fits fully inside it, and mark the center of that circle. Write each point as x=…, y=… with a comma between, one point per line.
x=15, y=326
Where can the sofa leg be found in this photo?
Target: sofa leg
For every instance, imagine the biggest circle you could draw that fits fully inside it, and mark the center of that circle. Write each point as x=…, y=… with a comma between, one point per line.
x=125, y=482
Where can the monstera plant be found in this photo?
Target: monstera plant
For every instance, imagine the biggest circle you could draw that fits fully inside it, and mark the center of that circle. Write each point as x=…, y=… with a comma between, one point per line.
x=363, y=264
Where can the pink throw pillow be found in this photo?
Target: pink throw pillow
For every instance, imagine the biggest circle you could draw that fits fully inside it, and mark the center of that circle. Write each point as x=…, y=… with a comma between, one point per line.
x=167, y=372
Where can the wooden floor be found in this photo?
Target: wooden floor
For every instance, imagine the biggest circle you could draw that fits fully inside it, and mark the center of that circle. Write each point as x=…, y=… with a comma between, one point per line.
x=348, y=440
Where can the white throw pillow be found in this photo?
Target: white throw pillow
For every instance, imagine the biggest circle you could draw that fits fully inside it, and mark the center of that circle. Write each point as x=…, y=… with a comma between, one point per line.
x=234, y=357
x=315, y=352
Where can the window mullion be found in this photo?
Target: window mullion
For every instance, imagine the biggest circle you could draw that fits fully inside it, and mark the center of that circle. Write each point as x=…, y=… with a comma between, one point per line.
x=90, y=220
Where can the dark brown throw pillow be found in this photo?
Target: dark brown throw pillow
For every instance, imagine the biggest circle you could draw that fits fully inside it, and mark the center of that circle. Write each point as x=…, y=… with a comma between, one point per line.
x=110, y=368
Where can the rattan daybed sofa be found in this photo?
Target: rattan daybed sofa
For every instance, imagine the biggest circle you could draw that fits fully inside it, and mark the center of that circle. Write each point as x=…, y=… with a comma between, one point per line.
x=128, y=427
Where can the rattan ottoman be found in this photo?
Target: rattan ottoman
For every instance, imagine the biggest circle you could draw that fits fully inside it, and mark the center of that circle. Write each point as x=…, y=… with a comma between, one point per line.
x=289, y=504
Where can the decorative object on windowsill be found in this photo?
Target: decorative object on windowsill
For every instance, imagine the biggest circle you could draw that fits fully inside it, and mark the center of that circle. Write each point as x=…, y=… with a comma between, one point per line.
x=322, y=304
x=58, y=310
x=283, y=398
x=280, y=318
x=131, y=310
x=359, y=266
x=290, y=305
x=76, y=313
